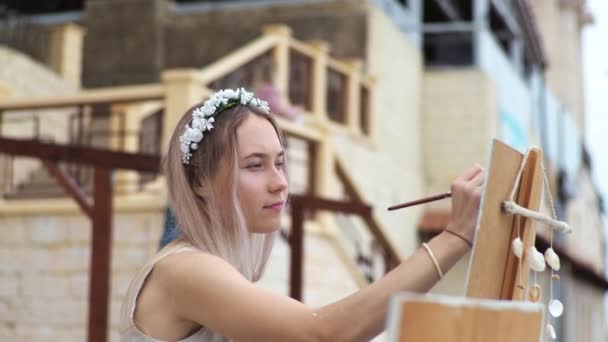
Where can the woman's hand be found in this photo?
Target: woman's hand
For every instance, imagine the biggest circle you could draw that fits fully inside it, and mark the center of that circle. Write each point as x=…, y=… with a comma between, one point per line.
x=466, y=197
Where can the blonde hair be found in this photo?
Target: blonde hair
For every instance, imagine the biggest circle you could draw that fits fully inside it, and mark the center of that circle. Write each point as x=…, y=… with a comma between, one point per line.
x=205, y=200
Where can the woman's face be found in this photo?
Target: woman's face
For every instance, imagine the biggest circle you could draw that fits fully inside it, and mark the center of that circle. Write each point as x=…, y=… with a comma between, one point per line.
x=262, y=184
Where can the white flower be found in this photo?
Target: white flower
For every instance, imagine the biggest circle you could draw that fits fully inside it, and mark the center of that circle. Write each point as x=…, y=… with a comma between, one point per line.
x=197, y=112
x=246, y=96
x=207, y=124
x=208, y=109
x=212, y=102
x=185, y=148
x=197, y=123
x=194, y=134
x=231, y=94
x=264, y=105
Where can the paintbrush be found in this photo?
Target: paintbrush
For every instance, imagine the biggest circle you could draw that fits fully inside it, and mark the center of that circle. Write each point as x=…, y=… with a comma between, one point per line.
x=421, y=201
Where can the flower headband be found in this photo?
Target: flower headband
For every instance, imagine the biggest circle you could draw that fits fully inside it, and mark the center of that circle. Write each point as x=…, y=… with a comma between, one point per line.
x=203, y=117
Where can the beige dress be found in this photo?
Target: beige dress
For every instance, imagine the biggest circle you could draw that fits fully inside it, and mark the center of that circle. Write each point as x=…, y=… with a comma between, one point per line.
x=130, y=332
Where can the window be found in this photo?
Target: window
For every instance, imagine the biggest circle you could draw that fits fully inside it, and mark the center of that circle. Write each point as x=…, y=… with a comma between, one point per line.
x=404, y=3
x=448, y=49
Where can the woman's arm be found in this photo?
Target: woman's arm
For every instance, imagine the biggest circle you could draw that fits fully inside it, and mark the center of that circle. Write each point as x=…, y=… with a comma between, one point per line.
x=362, y=315
x=207, y=290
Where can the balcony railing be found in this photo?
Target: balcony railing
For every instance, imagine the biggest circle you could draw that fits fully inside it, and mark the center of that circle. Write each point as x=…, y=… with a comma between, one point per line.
x=97, y=118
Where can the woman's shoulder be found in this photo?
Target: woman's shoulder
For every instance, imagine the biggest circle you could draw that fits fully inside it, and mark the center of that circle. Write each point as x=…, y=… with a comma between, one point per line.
x=189, y=262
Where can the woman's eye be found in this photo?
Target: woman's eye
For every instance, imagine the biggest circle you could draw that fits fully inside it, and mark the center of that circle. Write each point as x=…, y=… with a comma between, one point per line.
x=280, y=163
x=254, y=165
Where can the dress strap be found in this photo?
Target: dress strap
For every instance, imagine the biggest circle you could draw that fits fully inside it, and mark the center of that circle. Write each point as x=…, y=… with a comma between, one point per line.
x=135, y=287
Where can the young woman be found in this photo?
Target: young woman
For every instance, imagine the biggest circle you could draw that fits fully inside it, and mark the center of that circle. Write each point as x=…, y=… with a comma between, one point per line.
x=225, y=170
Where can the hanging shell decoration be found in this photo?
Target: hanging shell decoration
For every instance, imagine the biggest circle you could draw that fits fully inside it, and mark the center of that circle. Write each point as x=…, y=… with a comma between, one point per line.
x=535, y=259
x=552, y=259
x=551, y=332
x=518, y=247
x=556, y=308
x=534, y=293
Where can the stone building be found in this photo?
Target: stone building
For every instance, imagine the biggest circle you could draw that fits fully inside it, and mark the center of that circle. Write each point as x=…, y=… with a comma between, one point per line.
x=402, y=94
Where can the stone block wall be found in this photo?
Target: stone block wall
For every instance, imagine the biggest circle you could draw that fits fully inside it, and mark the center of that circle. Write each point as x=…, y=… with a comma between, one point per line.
x=390, y=170
x=460, y=119
x=132, y=42
x=124, y=42
x=194, y=39
x=44, y=265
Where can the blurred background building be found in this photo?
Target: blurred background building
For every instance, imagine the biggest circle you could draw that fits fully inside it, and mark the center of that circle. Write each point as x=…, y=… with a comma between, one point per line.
x=381, y=101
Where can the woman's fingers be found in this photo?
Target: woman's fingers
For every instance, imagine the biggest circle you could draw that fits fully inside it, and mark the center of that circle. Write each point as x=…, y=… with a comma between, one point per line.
x=466, y=198
x=470, y=173
x=477, y=180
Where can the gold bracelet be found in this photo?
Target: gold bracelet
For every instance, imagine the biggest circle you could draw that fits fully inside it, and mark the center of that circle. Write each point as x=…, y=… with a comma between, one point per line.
x=459, y=236
x=428, y=249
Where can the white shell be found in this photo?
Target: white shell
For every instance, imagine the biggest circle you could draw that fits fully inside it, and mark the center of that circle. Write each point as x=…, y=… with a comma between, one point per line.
x=556, y=308
x=551, y=332
x=535, y=259
x=518, y=247
x=552, y=259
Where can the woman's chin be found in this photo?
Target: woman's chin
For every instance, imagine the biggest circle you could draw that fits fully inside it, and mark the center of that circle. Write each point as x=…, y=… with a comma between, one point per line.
x=269, y=227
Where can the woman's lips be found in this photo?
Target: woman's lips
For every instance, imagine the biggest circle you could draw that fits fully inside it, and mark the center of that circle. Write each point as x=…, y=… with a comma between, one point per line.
x=277, y=206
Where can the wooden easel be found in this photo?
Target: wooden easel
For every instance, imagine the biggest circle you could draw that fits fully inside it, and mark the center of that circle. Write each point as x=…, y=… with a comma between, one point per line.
x=493, y=272
x=416, y=318
x=493, y=310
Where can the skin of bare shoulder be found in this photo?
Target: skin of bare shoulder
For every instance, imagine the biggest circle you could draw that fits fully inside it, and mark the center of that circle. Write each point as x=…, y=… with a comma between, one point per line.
x=163, y=324
x=207, y=290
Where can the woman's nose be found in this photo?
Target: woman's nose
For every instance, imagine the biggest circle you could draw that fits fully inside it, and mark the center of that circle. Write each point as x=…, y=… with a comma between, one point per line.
x=278, y=181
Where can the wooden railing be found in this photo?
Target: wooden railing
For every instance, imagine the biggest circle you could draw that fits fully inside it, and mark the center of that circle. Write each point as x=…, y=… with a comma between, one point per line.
x=304, y=74
x=391, y=255
x=93, y=118
x=304, y=204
